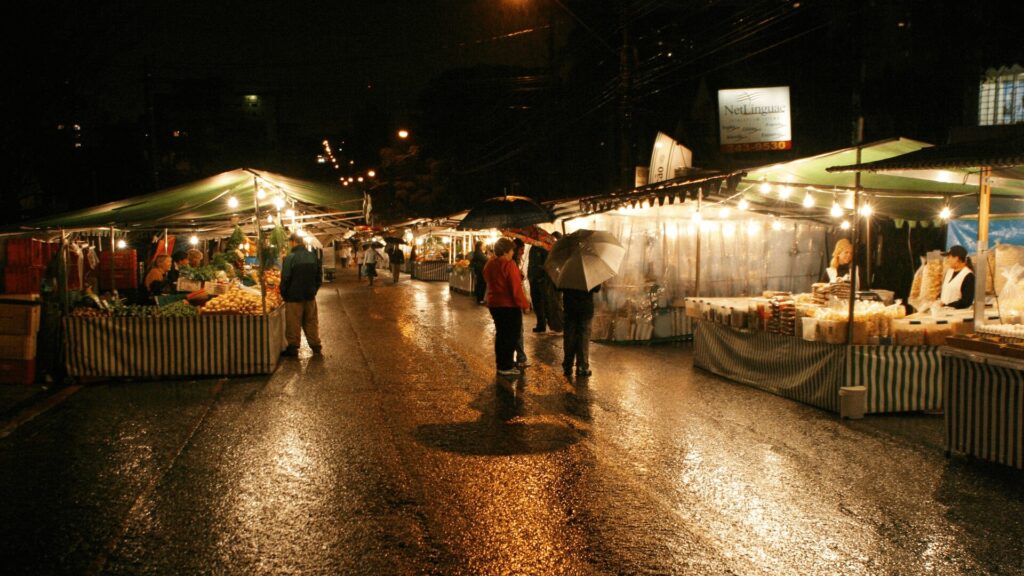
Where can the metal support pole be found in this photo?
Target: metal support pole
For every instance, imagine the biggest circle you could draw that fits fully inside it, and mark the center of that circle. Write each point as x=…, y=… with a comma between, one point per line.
x=854, y=233
x=981, y=266
x=259, y=241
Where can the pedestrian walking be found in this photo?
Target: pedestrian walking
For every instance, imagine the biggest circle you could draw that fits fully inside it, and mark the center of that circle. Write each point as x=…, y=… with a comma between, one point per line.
x=538, y=285
x=372, y=257
x=506, y=302
x=345, y=254
x=517, y=257
x=359, y=252
x=396, y=259
x=300, y=279
x=578, y=307
x=477, y=263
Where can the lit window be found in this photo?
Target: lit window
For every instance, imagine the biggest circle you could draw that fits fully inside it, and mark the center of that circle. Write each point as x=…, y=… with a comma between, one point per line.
x=1001, y=97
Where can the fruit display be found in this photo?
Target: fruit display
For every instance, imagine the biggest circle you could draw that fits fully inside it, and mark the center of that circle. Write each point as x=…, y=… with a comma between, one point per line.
x=180, y=309
x=238, y=301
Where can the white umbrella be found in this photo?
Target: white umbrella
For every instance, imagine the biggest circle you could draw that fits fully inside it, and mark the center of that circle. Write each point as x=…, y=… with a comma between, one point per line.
x=584, y=259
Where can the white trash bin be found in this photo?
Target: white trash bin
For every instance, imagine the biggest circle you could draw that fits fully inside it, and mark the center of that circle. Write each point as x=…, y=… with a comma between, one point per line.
x=852, y=402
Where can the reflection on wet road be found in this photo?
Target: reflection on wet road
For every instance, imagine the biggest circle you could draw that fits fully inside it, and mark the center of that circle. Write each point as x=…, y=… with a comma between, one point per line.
x=398, y=452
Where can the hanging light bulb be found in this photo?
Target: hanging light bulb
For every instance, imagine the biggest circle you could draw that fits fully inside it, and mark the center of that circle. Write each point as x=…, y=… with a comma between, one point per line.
x=753, y=228
x=723, y=212
x=270, y=219
x=765, y=188
x=121, y=244
x=193, y=240
x=784, y=192
x=278, y=202
x=261, y=193
x=232, y=202
x=836, y=210
x=845, y=225
x=866, y=210
x=848, y=203
x=289, y=213
x=945, y=213
x=697, y=217
x=776, y=225
x=808, y=200
x=743, y=205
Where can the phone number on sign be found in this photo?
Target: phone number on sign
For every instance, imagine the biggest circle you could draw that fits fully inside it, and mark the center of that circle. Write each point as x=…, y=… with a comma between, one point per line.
x=757, y=146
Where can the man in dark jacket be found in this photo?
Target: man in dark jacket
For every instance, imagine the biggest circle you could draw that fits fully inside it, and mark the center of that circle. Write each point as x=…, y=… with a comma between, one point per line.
x=300, y=279
x=538, y=278
x=579, y=312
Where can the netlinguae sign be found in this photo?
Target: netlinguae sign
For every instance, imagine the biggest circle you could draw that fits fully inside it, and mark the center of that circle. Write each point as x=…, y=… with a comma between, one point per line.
x=754, y=119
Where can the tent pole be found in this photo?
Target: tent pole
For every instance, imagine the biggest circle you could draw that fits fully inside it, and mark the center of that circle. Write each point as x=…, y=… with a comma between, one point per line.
x=854, y=235
x=259, y=242
x=696, y=269
x=113, y=264
x=981, y=266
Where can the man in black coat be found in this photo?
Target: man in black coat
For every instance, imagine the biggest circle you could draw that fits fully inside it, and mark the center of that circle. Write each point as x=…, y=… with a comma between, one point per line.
x=300, y=280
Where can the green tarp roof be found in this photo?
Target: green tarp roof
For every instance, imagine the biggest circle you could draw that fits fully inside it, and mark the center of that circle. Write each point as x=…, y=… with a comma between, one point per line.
x=901, y=195
x=205, y=203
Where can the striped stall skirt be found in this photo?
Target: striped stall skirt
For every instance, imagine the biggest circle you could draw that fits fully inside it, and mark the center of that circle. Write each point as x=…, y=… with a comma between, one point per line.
x=204, y=345
x=897, y=378
x=984, y=407
x=808, y=372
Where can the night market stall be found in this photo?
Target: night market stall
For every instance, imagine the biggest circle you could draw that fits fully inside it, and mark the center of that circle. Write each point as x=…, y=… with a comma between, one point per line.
x=223, y=320
x=982, y=372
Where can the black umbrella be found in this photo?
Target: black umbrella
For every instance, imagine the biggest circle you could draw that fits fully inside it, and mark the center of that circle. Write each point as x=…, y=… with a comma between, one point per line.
x=505, y=212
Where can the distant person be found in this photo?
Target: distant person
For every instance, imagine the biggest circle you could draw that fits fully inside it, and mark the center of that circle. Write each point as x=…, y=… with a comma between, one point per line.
x=396, y=260
x=958, y=283
x=477, y=262
x=195, y=258
x=538, y=285
x=371, y=257
x=359, y=255
x=300, y=280
x=578, y=306
x=156, y=282
x=517, y=257
x=178, y=261
x=506, y=301
x=345, y=254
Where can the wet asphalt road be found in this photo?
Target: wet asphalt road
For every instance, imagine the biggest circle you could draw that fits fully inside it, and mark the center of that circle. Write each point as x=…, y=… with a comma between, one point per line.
x=396, y=453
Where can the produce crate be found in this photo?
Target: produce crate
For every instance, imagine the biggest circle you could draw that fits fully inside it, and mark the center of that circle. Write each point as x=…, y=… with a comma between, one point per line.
x=23, y=279
x=186, y=285
x=123, y=279
x=17, y=371
x=25, y=252
x=17, y=347
x=19, y=315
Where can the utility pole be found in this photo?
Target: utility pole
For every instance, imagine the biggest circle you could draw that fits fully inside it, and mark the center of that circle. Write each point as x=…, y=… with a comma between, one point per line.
x=626, y=160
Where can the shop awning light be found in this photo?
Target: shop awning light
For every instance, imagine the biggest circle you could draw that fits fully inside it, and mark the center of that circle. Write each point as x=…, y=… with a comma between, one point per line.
x=848, y=204
x=278, y=202
x=765, y=188
x=776, y=225
x=743, y=204
x=724, y=212
x=836, y=210
x=193, y=240
x=845, y=225
x=121, y=244
x=697, y=217
x=261, y=193
x=866, y=210
x=289, y=213
x=784, y=192
x=808, y=200
x=232, y=202
x=946, y=213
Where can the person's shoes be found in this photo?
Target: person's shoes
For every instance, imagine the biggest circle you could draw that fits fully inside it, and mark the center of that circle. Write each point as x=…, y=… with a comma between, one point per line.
x=539, y=329
x=586, y=372
x=509, y=372
x=290, y=351
x=567, y=372
x=522, y=363
x=317, y=349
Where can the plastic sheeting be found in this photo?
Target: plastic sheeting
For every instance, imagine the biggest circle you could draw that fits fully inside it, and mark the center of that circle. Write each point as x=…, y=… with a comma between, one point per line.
x=741, y=254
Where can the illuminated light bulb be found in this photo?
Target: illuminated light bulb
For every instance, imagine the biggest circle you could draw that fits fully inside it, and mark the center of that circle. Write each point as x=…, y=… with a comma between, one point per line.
x=848, y=204
x=289, y=213
x=845, y=225
x=270, y=219
x=753, y=228
x=671, y=231
x=808, y=201
x=121, y=244
x=300, y=232
x=371, y=173
x=784, y=192
x=946, y=213
x=344, y=182
x=836, y=210
x=724, y=212
x=743, y=205
x=360, y=179
x=765, y=188
x=278, y=202
x=446, y=240
x=193, y=240
x=232, y=202
x=729, y=229
x=697, y=217
x=261, y=193
x=776, y=225
x=866, y=210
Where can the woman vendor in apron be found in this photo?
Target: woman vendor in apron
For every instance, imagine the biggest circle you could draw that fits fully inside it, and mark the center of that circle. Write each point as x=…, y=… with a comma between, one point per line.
x=958, y=283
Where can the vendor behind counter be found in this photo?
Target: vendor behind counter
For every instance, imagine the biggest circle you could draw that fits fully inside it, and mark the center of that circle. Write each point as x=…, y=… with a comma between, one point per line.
x=958, y=282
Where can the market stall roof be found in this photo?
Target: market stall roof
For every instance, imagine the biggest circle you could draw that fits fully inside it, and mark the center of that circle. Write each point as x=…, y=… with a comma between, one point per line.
x=901, y=195
x=204, y=204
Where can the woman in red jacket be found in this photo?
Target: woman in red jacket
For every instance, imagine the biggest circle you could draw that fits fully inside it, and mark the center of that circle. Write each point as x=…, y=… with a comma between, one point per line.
x=506, y=301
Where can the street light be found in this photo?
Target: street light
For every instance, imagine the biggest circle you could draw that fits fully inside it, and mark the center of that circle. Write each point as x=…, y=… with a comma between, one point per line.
x=403, y=134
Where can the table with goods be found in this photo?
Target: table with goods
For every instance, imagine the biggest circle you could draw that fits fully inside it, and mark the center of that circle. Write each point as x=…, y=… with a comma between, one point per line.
x=461, y=278
x=797, y=346
x=218, y=329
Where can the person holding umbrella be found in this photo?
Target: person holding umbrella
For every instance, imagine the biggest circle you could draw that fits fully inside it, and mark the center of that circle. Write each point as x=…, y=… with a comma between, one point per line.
x=372, y=257
x=506, y=302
